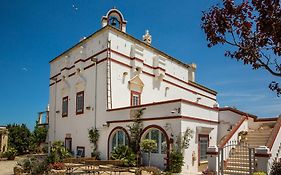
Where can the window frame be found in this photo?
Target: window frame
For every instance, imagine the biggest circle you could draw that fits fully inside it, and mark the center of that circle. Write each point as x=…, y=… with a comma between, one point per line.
x=82, y=110
x=80, y=148
x=125, y=139
x=62, y=111
x=199, y=147
x=161, y=137
x=138, y=94
x=68, y=139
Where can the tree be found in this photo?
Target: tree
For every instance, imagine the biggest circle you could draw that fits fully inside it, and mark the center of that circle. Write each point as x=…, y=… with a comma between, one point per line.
x=19, y=137
x=135, y=130
x=252, y=28
x=135, y=133
x=148, y=146
x=39, y=136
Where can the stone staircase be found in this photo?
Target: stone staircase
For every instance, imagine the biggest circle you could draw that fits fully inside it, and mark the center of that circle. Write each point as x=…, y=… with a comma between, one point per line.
x=238, y=162
x=258, y=137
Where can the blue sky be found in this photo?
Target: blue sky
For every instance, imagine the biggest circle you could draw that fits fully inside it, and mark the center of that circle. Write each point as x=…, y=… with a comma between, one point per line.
x=34, y=32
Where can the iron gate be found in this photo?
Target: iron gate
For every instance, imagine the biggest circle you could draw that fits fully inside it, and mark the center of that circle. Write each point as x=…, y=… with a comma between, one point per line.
x=236, y=158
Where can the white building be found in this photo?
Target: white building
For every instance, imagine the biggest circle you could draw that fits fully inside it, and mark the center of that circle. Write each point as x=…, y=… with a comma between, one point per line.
x=101, y=81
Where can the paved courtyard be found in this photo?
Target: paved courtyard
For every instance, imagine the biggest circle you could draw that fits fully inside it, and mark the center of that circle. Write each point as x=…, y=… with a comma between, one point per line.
x=6, y=167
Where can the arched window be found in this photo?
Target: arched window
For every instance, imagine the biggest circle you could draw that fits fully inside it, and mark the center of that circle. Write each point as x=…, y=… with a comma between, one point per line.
x=160, y=139
x=119, y=138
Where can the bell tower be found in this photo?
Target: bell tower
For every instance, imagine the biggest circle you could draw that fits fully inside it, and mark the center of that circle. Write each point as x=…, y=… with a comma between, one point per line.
x=115, y=19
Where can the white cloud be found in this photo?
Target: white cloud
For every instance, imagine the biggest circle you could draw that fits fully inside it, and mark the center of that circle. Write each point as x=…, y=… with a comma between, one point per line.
x=24, y=69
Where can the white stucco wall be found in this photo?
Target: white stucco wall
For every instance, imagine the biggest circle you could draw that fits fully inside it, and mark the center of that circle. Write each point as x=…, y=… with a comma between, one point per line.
x=227, y=120
x=190, y=166
x=275, y=151
x=153, y=91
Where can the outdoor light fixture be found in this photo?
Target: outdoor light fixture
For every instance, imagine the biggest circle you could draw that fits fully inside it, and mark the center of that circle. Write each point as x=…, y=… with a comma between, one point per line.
x=54, y=79
x=138, y=69
x=125, y=74
x=178, y=110
x=94, y=59
x=106, y=125
x=198, y=99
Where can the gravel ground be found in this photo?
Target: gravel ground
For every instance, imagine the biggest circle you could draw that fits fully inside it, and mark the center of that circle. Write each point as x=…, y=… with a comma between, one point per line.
x=7, y=167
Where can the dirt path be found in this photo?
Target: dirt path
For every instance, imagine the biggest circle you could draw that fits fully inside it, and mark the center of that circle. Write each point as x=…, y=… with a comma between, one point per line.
x=7, y=167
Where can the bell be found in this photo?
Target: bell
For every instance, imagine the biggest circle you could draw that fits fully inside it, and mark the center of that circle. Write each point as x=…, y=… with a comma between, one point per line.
x=113, y=22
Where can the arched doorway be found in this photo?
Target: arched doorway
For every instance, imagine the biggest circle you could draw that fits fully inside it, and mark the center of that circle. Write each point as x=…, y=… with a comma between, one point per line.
x=160, y=156
x=117, y=137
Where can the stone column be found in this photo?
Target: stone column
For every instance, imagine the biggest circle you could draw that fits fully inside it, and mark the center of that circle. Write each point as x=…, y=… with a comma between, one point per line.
x=213, y=158
x=262, y=155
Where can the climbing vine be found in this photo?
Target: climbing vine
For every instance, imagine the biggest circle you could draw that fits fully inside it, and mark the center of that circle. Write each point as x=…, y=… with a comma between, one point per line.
x=135, y=133
x=177, y=152
x=94, y=137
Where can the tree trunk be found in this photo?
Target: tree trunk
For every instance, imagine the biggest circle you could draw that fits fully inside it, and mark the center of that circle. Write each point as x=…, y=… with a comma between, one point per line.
x=149, y=158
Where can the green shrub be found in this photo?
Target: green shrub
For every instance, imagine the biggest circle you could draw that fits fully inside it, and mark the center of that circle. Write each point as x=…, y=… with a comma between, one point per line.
x=259, y=173
x=176, y=161
x=276, y=168
x=125, y=154
x=151, y=170
x=25, y=164
x=34, y=166
x=40, y=168
x=58, y=152
x=10, y=154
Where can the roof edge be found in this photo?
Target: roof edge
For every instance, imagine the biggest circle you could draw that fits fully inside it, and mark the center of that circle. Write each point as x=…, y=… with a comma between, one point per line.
x=238, y=112
x=203, y=87
x=77, y=44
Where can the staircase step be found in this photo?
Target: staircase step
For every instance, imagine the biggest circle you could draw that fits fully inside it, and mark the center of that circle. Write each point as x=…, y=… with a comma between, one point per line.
x=255, y=146
x=235, y=172
x=242, y=156
x=244, y=160
x=259, y=134
x=238, y=168
x=257, y=138
x=256, y=143
x=243, y=164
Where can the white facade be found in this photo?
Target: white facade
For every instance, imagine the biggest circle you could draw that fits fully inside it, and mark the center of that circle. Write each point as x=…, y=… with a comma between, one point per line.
x=110, y=67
